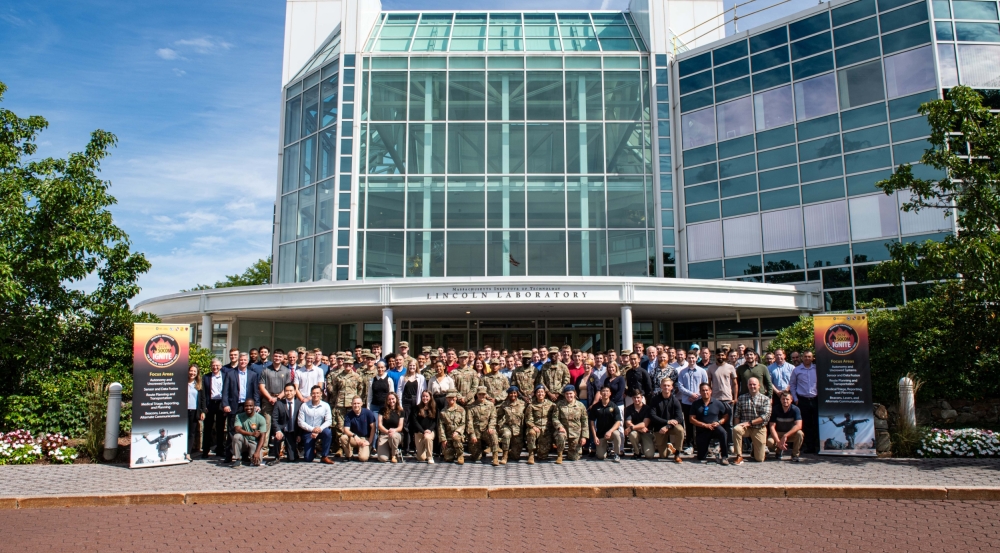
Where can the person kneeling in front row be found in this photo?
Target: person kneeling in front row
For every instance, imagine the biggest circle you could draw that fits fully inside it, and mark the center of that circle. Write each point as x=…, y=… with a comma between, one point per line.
x=357, y=431
x=710, y=416
x=753, y=409
x=315, y=420
x=605, y=420
x=665, y=421
x=786, y=426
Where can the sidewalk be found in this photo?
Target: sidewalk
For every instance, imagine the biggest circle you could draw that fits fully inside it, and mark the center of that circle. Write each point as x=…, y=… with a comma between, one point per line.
x=39, y=485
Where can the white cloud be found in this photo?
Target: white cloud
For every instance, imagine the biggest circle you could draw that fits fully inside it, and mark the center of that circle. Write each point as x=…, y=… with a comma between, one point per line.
x=167, y=53
x=179, y=72
x=204, y=45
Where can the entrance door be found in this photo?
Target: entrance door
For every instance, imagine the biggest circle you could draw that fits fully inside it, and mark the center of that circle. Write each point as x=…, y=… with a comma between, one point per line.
x=510, y=340
x=584, y=340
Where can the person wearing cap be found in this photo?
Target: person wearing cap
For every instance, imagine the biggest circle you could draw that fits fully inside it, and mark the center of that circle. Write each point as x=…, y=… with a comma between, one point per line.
x=480, y=427
x=496, y=383
x=636, y=429
x=368, y=371
x=404, y=349
x=571, y=425
x=538, y=425
x=665, y=420
x=510, y=422
x=605, y=425
x=466, y=380
x=451, y=430
x=524, y=378
x=341, y=389
x=554, y=375
x=426, y=367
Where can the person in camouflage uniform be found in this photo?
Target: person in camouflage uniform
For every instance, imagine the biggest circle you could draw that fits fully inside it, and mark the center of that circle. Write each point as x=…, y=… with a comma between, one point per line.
x=496, y=387
x=524, y=379
x=554, y=375
x=451, y=430
x=572, y=428
x=480, y=427
x=367, y=373
x=510, y=423
x=538, y=425
x=341, y=390
x=466, y=382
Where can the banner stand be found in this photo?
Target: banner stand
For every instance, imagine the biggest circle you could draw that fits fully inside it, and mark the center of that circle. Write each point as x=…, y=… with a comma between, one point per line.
x=159, y=394
x=844, y=385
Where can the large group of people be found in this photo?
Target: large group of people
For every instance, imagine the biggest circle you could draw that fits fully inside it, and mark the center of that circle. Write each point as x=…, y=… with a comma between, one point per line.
x=264, y=408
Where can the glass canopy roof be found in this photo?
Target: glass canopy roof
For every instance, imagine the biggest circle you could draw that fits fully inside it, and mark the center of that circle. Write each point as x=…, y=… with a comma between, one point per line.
x=399, y=32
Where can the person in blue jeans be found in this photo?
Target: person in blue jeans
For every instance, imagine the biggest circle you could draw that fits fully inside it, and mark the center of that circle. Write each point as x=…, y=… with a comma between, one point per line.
x=315, y=419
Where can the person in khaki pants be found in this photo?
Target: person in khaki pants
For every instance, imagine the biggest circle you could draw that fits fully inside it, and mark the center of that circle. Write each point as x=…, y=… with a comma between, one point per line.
x=753, y=410
x=785, y=428
x=637, y=426
x=358, y=431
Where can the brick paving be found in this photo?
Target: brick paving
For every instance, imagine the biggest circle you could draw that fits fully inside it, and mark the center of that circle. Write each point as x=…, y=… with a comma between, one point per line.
x=201, y=475
x=498, y=526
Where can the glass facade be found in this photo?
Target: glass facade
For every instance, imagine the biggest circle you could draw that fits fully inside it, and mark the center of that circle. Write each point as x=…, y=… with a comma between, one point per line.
x=784, y=135
x=506, y=144
x=506, y=165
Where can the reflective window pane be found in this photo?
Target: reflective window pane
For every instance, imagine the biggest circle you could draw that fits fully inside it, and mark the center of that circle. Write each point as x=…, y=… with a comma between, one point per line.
x=505, y=203
x=584, y=148
x=427, y=148
x=427, y=96
x=386, y=148
x=465, y=148
x=861, y=84
x=465, y=253
x=385, y=203
x=425, y=203
x=383, y=254
x=323, y=257
x=773, y=108
x=909, y=72
x=734, y=118
x=466, y=204
x=628, y=254
x=328, y=92
x=505, y=147
x=324, y=213
x=467, y=95
x=626, y=203
x=815, y=97
x=698, y=128
x=546, y=204
x=289, y=217
x=546, y=253
x=425, y=254
x=310, y=111
x=545, y=147
x=588, y=253
x=505, y=255
x=544, y=96
x=505, y=96
x=304, y=260
x=388, y=96
x=622, y=101
x=583, y=95
x=585, y=202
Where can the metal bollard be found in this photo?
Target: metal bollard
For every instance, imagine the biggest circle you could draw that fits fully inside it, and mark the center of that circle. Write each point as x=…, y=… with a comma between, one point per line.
x=907, y=407
x=113, y=423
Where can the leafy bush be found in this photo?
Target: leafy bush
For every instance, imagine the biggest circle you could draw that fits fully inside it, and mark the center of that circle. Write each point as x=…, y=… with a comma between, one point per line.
x=201, y=357
x=967, y=442
x=797, y=337
x=58, y=402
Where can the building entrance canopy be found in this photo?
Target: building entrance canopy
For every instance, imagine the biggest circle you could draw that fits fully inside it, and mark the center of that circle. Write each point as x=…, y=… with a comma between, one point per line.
x=492, y=298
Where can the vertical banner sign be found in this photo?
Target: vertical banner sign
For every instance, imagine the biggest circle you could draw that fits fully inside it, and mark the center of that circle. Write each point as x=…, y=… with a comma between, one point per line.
x=159, y=394
x=844, y=385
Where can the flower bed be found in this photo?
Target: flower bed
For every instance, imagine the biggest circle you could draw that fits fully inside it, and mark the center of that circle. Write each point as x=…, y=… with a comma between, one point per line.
x=21, y=448
x=965, y=442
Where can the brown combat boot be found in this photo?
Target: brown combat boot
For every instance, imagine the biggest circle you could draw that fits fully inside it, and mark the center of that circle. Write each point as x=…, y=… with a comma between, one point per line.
x=559, y=458
x=460, y=460
x=496, y=459
x=531, y=457
x=504, y=460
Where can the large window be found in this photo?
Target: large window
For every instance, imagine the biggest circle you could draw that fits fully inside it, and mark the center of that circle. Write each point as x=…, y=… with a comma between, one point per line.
x=861, y=84
x=698, y=128
x=773, y=108
x=909, y=72
x=734, y=118
x=815, y=97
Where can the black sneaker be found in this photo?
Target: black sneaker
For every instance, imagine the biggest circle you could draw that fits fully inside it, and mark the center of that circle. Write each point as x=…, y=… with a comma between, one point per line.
x=796, y=459
x=777, y=454
x=615, y=458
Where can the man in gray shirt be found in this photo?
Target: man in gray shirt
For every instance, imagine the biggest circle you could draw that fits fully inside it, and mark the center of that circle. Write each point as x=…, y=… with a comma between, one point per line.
x=272, y=386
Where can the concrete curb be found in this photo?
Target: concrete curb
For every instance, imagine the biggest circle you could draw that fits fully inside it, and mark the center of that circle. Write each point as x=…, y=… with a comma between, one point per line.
x=935, y=493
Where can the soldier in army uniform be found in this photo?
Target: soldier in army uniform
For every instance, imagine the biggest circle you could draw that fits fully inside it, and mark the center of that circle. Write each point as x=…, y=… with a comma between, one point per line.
x=480, y=427
x=510, y=422
x=367, y=373
x=341, y=389
x=404, y=350
x=496, y=386
x=554, y=375
x=539, y=432
x=466, y=381
x=451, y=430
x=524, y=379
x=572, y=429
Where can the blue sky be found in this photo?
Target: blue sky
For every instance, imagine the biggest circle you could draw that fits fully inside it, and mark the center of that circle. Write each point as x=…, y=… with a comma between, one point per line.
x=192, y=90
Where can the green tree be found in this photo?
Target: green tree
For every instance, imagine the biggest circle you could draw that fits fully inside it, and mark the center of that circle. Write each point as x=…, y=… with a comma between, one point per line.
x=965, y=139
x=67, y=272
x=255, y=275
x=796, y=337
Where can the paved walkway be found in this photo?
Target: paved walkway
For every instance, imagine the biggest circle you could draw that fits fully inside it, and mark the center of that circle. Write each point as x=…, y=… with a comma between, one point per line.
x=41, y=480
x=506, y=525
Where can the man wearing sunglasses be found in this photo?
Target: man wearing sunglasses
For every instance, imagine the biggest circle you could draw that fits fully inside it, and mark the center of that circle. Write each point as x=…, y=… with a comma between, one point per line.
x=710, y=416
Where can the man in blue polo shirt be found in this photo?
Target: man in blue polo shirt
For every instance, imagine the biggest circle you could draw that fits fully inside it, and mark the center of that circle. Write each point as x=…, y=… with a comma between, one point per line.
x=358, y=431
